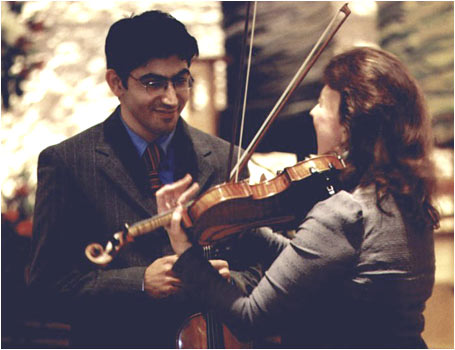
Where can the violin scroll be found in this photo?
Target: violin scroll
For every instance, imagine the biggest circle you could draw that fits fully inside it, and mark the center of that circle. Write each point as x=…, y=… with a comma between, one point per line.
x=102, y=256
x=99, y=255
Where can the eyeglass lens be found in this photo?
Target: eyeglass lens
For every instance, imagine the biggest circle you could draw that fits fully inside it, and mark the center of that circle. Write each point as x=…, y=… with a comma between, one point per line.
x=179, y=83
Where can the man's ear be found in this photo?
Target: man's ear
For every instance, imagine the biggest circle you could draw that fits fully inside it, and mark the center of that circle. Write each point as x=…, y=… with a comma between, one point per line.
x=114, y=82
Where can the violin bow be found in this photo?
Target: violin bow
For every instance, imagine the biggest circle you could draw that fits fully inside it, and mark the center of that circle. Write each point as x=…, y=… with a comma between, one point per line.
x=328, y=34
x=240, y=91
x=247, y=79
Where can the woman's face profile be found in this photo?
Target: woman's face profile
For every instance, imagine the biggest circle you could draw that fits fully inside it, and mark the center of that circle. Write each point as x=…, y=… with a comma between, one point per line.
x=330, y=134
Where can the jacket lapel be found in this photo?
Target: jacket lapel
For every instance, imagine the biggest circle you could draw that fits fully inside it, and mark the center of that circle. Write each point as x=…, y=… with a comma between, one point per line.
x=118, y=160
x=193, y=156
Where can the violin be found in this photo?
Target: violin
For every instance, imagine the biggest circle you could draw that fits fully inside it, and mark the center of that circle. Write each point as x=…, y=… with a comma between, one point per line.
x=235, y=207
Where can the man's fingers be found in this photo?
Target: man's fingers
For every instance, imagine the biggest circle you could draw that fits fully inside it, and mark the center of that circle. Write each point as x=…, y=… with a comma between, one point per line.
x=176, y=218
x=188, y=194
x=181, y=184
x=174, y=281
x=180, y=191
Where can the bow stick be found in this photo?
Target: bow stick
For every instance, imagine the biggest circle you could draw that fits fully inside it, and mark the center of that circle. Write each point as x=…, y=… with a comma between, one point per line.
x=334, y=25
x=242, y=124
x=239, y=93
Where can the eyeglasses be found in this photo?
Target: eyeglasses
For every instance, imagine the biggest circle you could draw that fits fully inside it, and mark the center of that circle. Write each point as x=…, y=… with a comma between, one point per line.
x=154, y=85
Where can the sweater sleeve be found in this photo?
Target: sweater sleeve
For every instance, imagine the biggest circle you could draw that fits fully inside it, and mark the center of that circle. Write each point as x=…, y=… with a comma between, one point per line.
x=257, y=249
x=324, y=250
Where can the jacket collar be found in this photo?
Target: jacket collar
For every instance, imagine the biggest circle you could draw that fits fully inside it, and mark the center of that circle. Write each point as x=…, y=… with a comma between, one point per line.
x=193, y=155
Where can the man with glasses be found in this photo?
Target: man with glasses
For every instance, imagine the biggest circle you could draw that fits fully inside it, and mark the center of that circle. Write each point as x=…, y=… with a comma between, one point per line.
x=90, y=185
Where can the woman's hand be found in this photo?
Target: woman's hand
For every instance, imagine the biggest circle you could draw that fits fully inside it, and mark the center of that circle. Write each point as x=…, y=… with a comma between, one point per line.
x=173, y=197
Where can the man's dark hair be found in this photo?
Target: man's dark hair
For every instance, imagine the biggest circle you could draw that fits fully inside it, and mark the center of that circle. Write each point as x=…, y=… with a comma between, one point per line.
x=132, y=42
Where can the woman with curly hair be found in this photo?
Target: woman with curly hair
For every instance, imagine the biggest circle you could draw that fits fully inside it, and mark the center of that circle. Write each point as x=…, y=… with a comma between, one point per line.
x=361, y=266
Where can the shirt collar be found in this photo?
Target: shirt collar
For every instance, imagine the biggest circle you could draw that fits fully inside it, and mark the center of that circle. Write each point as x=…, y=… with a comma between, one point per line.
x=140, y=144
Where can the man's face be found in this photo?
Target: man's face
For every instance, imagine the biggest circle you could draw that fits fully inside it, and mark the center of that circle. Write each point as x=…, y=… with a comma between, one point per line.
x=153, y=112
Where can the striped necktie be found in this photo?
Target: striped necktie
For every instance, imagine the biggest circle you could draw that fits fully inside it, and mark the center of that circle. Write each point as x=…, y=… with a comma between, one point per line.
x=152, y=158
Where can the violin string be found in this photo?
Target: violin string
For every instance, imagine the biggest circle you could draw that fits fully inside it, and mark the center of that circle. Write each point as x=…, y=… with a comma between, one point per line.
x=214, y=326
x=217, y=337
x=154, y=222
x=247, y=80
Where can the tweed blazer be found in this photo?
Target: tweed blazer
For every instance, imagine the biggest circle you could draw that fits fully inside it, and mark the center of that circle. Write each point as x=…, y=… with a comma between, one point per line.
x=88, y=187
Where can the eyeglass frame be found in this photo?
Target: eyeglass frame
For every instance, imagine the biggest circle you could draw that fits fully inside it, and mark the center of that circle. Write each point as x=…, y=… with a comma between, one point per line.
x=160, y=79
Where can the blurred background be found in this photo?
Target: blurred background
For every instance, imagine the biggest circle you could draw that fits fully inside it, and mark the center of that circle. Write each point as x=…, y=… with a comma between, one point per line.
x=53, y=87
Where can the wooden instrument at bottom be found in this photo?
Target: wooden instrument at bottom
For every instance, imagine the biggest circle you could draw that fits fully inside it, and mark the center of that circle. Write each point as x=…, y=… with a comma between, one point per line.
x=205, y=331
x=193, y=334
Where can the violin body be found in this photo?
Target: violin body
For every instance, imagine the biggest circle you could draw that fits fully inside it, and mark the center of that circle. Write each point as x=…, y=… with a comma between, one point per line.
x=198, y=332
x=234, y=207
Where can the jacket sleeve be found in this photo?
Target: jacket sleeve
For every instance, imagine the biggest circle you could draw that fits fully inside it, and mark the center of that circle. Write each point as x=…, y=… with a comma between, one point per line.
x=323, y=250
x=63, y=225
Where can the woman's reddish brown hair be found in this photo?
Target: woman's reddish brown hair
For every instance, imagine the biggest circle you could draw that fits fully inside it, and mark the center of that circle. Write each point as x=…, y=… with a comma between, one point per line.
x=390, y=135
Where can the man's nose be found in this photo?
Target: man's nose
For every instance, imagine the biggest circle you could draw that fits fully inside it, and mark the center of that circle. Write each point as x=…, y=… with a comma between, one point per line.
x=170, y=95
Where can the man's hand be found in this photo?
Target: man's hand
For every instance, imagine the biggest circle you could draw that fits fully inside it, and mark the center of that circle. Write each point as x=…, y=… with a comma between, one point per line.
x=159, y=280
x=173, y=197
x=179, y=192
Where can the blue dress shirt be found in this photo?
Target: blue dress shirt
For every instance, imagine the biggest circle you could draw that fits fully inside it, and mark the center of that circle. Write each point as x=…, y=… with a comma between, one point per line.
x=167, y=163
